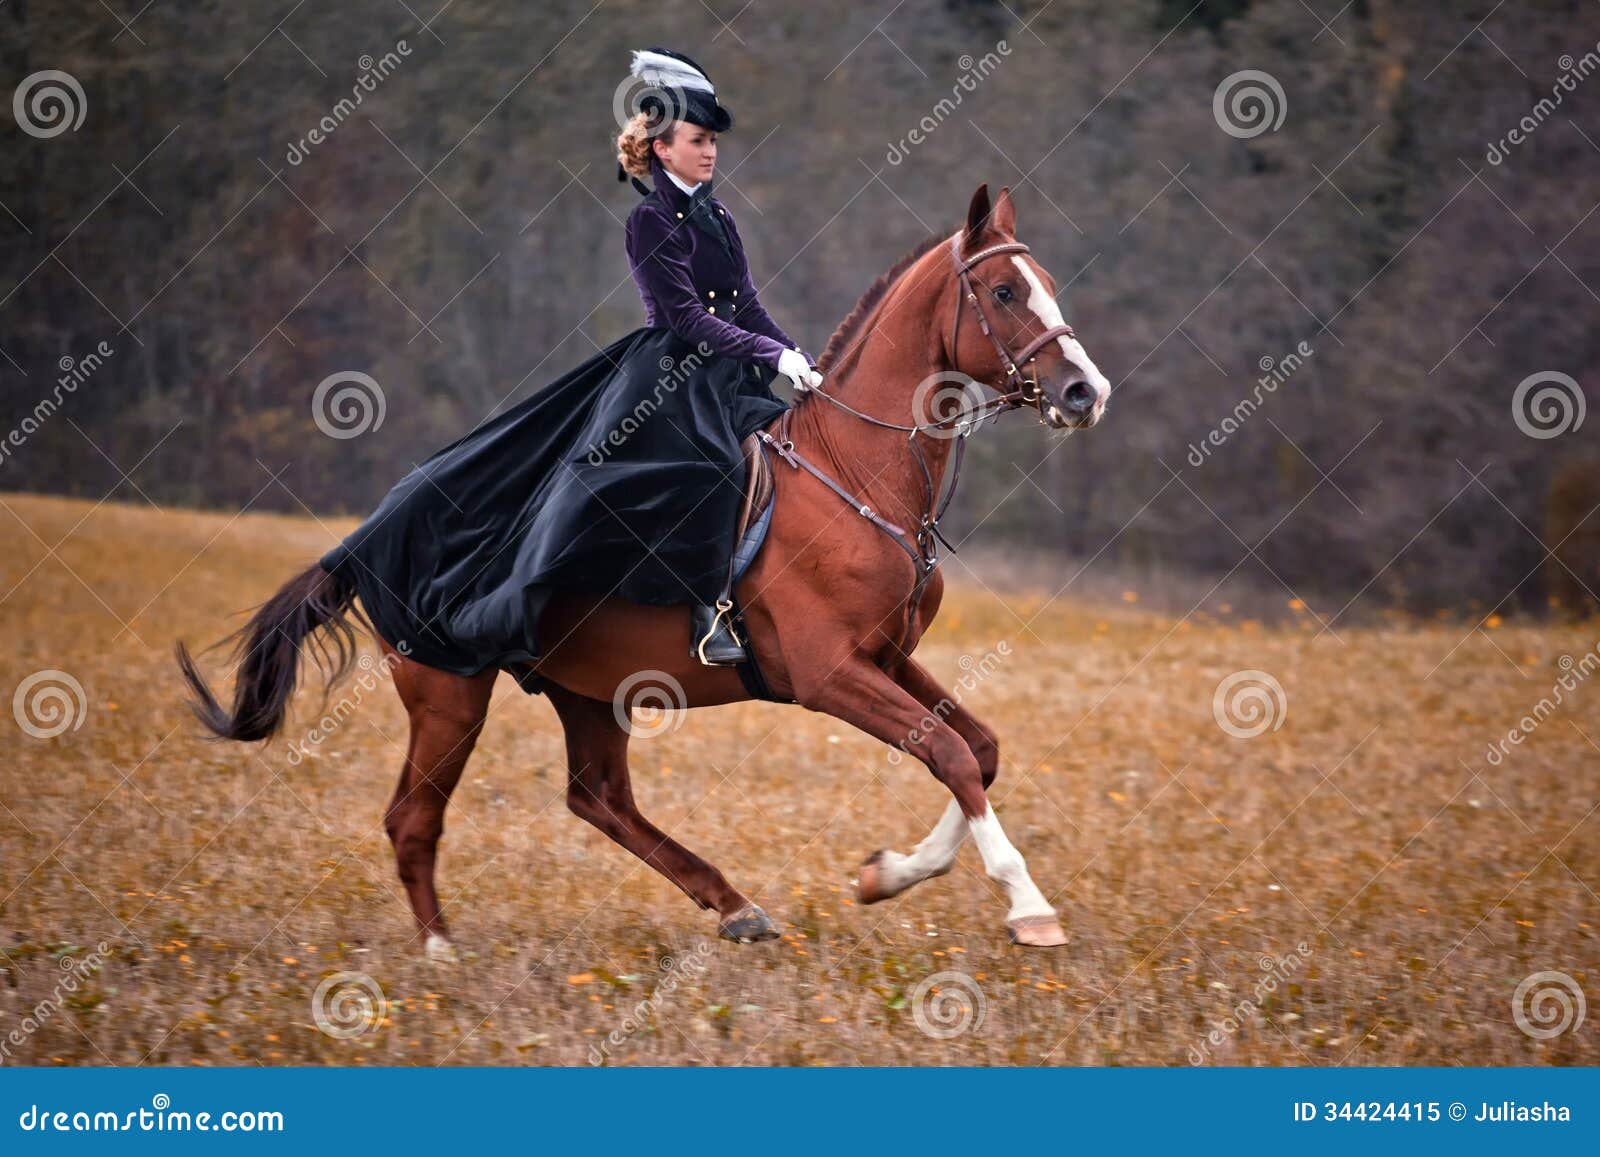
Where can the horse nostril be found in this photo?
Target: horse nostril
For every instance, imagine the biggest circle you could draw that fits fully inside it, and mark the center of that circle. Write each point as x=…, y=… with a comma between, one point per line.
x=1079, y=397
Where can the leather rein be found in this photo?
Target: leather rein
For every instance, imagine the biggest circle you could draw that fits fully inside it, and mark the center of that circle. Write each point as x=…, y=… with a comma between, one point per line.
x=923, y=548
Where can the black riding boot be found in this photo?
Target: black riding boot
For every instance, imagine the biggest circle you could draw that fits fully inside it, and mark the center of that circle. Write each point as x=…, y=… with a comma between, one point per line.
x=722, y=648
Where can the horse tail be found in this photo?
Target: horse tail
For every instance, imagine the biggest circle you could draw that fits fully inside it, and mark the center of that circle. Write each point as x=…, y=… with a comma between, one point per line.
x=316, y=605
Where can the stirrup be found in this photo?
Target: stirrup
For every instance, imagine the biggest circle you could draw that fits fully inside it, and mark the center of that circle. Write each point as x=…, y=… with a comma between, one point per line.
x=719, y=644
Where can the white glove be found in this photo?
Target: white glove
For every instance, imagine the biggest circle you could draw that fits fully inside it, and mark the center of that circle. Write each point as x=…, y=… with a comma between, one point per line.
x=792, y=364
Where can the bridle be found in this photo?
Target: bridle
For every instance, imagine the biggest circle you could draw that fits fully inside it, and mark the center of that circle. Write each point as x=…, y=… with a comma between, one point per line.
x=1024, y=391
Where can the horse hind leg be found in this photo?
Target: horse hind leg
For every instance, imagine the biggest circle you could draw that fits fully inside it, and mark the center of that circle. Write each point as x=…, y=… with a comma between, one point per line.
x=600, y=793
x=446, y=713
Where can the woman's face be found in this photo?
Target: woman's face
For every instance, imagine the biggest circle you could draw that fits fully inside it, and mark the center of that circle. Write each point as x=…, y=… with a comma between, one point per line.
x=691, y=154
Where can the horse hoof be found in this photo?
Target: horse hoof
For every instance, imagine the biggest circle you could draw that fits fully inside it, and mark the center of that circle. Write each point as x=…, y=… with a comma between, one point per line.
x=870, y=886
x=1036, y=932
x=440, y=950
x=747, y=926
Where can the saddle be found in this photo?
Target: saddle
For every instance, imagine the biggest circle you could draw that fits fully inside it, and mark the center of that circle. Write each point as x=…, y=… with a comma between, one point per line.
x=755, y=512
x=750, y=531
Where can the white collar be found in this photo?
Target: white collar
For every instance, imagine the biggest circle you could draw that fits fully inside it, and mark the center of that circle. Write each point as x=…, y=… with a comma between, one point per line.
x=689, y=189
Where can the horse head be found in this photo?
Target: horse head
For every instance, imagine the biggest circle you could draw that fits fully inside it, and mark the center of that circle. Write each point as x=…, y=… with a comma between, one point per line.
x=1008, y=326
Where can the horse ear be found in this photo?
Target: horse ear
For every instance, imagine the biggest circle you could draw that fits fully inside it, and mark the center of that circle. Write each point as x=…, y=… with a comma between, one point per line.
x=1004, y=218
x=978, y=213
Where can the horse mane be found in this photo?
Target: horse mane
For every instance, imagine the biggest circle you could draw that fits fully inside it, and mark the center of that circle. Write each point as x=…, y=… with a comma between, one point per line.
x=869, y=302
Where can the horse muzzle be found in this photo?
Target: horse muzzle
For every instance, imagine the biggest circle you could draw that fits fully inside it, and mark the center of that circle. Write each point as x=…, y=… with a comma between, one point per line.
x=1078, y=407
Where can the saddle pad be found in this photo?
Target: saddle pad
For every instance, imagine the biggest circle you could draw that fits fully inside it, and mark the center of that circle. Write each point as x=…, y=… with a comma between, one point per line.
x=750, y=545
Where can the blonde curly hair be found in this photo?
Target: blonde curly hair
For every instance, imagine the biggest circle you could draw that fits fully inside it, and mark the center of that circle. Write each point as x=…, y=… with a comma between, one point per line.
x=633, y=142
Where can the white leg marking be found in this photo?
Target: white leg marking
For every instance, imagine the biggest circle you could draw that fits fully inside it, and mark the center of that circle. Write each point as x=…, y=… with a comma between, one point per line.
x=934, y=856
x=440, y=950
x=1004, y=863
x=1046, y=309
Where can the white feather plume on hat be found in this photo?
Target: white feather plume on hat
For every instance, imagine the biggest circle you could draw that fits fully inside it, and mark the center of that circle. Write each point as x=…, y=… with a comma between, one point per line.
x=668, y=72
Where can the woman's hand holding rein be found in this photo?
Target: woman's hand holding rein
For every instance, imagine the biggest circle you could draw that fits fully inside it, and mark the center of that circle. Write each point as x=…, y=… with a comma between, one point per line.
x=792, y=364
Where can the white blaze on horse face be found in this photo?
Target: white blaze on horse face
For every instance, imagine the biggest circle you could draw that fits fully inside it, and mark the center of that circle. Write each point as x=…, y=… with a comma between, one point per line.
x=1048, y=312
x=1004, y=863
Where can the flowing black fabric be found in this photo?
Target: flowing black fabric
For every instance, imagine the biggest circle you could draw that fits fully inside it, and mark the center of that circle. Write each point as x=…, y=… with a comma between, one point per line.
x=622, y=477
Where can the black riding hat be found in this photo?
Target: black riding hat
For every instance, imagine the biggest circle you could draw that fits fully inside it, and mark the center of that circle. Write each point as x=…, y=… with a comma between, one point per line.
x=678, y=89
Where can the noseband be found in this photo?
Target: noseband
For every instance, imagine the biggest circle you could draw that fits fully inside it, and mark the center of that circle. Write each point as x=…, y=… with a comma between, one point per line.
x=1024, y=391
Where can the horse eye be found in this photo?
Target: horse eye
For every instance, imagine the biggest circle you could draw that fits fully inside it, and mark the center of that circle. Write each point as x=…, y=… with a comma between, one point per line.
x=1002, y=293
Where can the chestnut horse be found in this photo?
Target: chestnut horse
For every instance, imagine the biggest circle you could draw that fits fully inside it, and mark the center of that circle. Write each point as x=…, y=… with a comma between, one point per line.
x=833, y=605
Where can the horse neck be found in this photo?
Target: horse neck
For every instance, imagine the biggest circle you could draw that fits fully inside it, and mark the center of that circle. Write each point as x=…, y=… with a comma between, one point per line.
x=900, y=345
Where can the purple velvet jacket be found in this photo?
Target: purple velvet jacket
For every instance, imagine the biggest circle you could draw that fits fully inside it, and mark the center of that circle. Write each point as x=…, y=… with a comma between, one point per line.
x=693, y=283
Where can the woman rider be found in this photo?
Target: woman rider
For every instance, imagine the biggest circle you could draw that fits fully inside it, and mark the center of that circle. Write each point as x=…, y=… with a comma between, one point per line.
x=624, y=476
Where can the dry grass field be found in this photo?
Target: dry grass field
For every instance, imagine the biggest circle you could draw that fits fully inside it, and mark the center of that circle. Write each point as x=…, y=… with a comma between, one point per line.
x=1358, y=885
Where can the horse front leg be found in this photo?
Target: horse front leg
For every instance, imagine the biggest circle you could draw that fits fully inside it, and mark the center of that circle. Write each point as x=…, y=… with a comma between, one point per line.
x=885, y=874
x=865, y=697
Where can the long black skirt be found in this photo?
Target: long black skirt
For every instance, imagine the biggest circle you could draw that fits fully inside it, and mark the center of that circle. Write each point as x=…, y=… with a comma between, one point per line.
x=622, y=478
